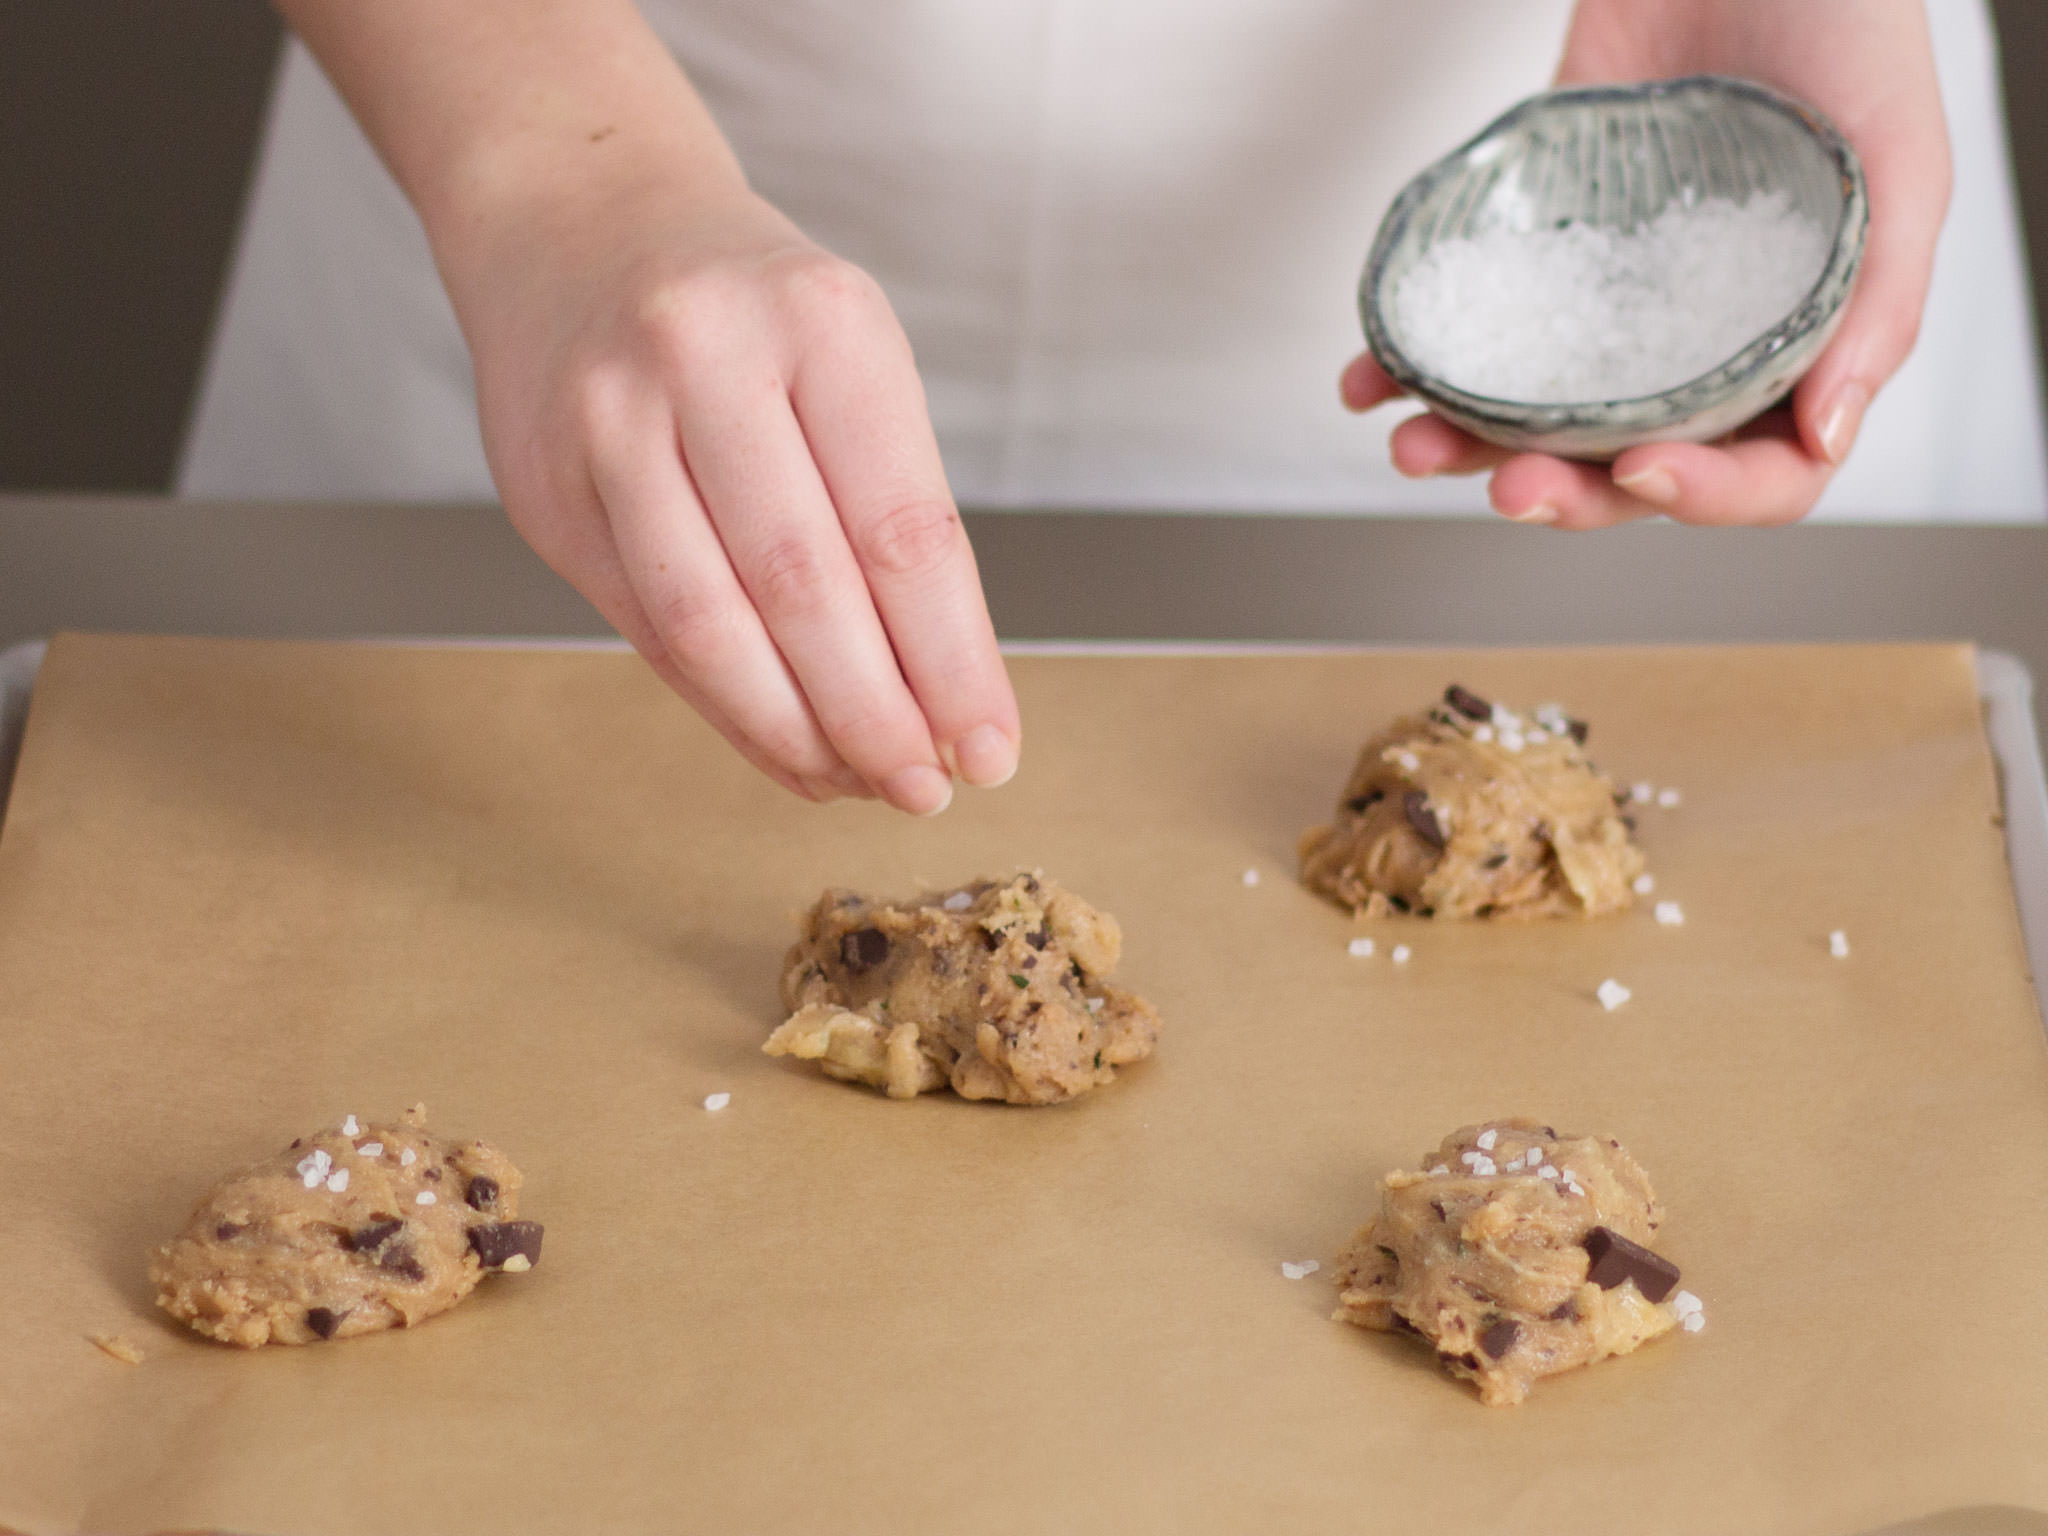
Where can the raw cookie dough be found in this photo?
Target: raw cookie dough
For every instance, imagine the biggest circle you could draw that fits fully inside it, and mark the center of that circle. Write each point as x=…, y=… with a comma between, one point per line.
x=353, y=1229
x=1472, y=810
x=1518, y=1253
x=994, y=988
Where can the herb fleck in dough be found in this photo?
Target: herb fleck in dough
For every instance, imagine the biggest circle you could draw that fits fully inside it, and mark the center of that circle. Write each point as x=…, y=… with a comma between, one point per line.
x=1517, y=1252
x=331, y=1237
x=1472, y=810
x=996, y=989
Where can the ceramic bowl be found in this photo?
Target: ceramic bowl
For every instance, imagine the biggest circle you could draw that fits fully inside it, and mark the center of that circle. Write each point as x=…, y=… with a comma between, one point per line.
x=1616, y=156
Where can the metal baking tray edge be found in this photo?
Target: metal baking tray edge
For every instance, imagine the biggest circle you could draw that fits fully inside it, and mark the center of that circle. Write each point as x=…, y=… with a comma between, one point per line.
x=2003, y=682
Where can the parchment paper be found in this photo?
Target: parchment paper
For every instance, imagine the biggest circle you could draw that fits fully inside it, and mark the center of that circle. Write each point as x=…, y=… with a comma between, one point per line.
x=248, y=888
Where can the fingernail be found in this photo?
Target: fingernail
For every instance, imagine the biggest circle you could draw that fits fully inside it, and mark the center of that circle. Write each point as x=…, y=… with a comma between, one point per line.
x=1654, y=485
x=1838, y=432
x=987, y=757
x=1542, y=512
x=918, y=789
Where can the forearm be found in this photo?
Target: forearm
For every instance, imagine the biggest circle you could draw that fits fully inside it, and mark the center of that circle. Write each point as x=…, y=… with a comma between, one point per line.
x=490, y=112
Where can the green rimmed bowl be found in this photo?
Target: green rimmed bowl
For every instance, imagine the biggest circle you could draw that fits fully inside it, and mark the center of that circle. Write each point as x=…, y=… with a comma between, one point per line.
x=1616, y=157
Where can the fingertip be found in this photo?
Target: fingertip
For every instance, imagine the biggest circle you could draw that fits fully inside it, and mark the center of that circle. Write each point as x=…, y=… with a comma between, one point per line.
x=986, y=757
x=1364, y=384
x=1839, y=421
x=920, y=789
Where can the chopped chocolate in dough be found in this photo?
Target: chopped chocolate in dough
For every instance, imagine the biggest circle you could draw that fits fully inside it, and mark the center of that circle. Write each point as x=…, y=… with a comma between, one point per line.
x=1518, y=1253
x=338, y=1235
x=996, y=989
x=1471, y=810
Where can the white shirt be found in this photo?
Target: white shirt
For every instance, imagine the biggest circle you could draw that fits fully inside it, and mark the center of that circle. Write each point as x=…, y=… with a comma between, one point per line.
x=1123, y=236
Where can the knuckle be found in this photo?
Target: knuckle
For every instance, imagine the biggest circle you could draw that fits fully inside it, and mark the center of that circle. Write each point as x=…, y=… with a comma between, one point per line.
x=823, y=289
x=787, y=575
x=909, y=539
x=701, y=636
x=682, y=316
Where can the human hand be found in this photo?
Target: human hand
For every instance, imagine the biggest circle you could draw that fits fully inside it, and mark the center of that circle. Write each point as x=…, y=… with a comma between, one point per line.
x=715, y=431
x=1869, y=66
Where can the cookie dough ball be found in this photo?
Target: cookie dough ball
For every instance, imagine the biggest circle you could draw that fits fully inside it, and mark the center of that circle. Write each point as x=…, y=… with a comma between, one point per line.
x=354, y=1229
x=996, y=989
x=1472, y=810
x=1518, y=1253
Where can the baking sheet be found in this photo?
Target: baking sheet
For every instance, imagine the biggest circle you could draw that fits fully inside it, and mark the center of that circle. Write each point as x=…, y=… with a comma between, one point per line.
x=247, y=888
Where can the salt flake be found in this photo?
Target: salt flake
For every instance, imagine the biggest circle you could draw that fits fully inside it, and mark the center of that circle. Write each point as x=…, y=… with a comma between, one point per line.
x=1838, y=944
x=1670, y=914
x=1668, y=798
x=424, y=1197
x=406, y=1156
x=338, y=1180
x=1488, y=1140
x=1401, y=954
x=1360, y=948
x=716, y=1101
x=1613, y=994
x=1299, y=1271
x=1251, y=877
x=1644, y=884
x=349, y=1127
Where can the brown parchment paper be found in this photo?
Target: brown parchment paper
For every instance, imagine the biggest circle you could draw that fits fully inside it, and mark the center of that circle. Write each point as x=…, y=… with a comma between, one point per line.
x=248, y=888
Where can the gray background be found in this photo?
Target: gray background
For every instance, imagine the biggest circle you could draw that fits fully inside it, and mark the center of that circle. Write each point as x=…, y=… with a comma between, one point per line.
x=127, y=134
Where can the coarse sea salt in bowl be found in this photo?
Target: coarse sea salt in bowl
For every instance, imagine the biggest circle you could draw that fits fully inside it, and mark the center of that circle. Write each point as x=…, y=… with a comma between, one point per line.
x=1616, y=265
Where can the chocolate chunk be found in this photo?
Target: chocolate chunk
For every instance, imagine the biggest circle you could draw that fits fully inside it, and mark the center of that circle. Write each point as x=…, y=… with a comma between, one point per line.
x=402, y=1262
x=1578, y=730
x=371, y=1235
x=1500, y=1338
x=1615, y=1259
x=1468, y=703
x=1566, y=1311
x=1629, y=822
x=483, y=1192
x=990, y=939
x=496, y=1242
x=1402, y=1325
x=1038, y=937
x=1030, y=962
x=1496, y=861
x=864, y=948
x=1416, y=804
x=324, y=1321
x=1438, y=1207
x=1470, y=1362
x=1360, y=804
x=432, y=1175
x=1398, y=903
x=1486, y=909
x=227, y=1230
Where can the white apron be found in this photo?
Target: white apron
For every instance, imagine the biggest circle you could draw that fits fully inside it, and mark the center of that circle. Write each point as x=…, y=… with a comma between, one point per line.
x=1123, y=236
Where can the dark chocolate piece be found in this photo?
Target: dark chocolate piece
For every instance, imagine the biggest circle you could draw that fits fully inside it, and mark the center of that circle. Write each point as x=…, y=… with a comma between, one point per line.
x=401, y=1261
x=1615, y=1259
x=1039, y=937
x=864, y=948
x=1468, y=703
x=1500, y=1337
x=324, y=1320
x=1578, y=730
x=1416, y=804
x=497, y=1241
x=371, y=1235
x=483, y=1192
x=1360, y=804
x=226, y=1230
x=1566, y=1311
